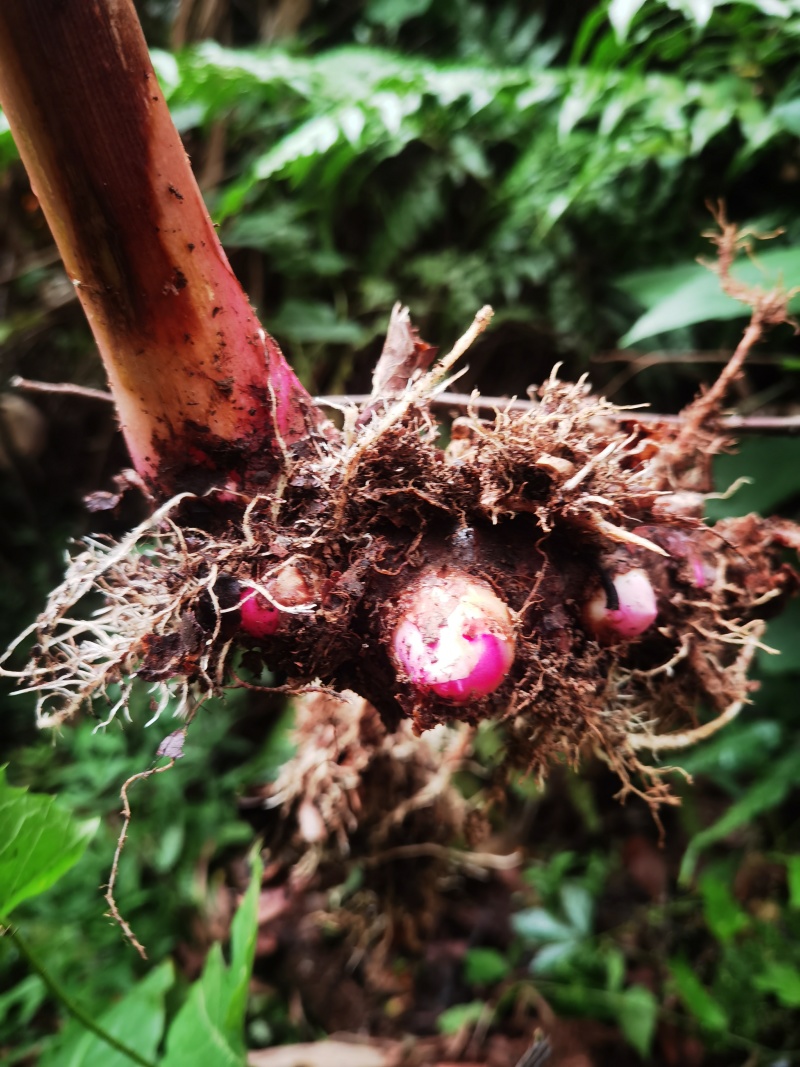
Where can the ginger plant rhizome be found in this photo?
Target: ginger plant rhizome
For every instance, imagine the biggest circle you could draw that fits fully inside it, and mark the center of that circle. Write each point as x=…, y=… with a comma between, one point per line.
x=549, y=569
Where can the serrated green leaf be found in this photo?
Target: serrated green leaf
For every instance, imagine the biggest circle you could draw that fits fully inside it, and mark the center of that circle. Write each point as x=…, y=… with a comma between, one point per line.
x=137, y=1021
x=485, y=966
x=209, y=1028
x=696, y=998
x=637, y=1015
x=39, y=841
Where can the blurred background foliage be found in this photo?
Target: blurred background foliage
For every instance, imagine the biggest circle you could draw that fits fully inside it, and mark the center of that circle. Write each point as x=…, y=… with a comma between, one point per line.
x=554, y=160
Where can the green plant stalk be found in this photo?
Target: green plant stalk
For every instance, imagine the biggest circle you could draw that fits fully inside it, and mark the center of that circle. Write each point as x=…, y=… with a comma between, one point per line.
x=74, y=1009
x=204, y=395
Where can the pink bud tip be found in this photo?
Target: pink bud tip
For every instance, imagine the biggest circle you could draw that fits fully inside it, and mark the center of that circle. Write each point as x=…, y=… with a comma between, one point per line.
x=698, y=571
x=455, y=637
x=636, y=613
x=288, y=587
x=258, y=617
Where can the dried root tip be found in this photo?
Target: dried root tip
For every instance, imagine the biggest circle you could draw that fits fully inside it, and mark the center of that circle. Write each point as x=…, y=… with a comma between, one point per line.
x=623, y=608
x=455, y=637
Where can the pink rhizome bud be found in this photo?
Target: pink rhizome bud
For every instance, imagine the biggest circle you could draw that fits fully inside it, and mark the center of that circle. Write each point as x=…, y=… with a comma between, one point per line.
x=454, y=637
x=623, y=611
x=289, y=590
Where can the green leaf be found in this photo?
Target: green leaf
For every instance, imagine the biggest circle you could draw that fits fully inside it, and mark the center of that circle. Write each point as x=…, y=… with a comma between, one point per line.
x=306, y=321
x=788, y=114
x=391, y=14
x=485, y=966
x=137, y=1021
x=24, y=999
x=637, y=1015
x=693, y=294
x=699, y=11
x=781, y=635
x=578, y=907
x=537, y=924
x=209, y=1028
x=696, y=998
x=793, y=880
x=622, y=13
x=771, y=483
x=550, y=958
x=743, y=747
x=460, y=1015
x=782, y=980
x=764, y=794
x=614, y=961
x=723, y=915
x=39, y=841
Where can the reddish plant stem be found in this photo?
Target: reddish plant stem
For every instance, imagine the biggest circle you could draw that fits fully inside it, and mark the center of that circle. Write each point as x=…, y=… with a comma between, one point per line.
x=200, y=389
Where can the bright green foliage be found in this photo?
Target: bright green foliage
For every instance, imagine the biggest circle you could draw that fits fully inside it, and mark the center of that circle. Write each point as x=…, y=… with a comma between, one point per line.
x=793, y=880
x=209, y=1029
x=459, y=1016
x=582, y=972
x=696, y=997
x=485, y=966
x=137, y=1021
x=181, y=819
x=623, y=12
x=686, y=295
x=451, y=153
x=765, y=795
x=39, y=841
x=368, y=173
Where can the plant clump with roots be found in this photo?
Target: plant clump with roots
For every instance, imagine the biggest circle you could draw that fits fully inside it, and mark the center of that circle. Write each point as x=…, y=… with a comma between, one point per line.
x=356, y=797
x=550, y=568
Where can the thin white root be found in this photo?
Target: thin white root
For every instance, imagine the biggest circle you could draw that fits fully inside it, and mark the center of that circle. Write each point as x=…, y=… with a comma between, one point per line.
x=686, y=738
x=616, y=533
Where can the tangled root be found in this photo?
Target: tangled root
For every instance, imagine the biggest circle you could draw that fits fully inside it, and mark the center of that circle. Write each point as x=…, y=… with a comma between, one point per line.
x=545, y=506
x=355, y=797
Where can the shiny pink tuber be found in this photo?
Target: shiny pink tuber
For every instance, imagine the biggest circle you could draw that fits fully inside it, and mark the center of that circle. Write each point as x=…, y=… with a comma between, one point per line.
x=288, y=587
x=636, y=613
x=455, y=637
x=257, y=616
